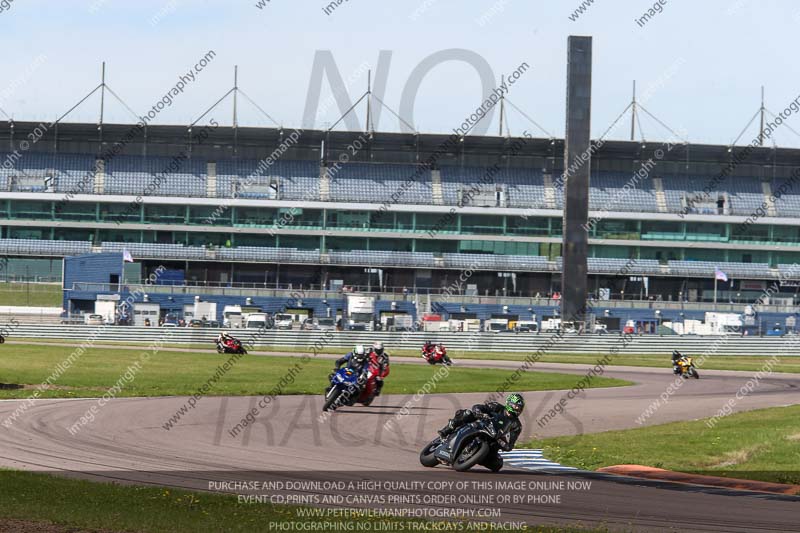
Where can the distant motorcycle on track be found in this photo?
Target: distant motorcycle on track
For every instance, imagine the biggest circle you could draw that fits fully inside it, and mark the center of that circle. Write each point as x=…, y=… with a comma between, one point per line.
x=436, y=355
x=686, y=368
x=231, y=346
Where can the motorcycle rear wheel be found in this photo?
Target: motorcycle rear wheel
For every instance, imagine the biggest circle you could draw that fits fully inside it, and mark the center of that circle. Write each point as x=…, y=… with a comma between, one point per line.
x=426, y=457
x=472, y=459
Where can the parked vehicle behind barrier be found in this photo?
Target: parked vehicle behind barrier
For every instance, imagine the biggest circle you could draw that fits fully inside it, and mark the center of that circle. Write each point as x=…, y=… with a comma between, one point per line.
x=94, y=320
x=282, y=321
x=257, y=321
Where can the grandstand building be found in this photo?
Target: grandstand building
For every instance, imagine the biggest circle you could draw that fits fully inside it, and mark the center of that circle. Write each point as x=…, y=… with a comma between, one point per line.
x=276, y=208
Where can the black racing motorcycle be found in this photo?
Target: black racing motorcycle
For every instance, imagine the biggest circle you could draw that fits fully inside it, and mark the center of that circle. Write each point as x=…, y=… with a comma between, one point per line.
x=471, y=444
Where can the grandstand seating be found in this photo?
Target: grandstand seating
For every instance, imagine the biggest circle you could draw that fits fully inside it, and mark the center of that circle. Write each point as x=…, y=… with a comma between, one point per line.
x=607, y=192
x=365, y=182
x=286, y=180
x=380, y=258
x=151, y=176
x=43, y=248
x=38, y=172
x=376, y=183
x=707, y=268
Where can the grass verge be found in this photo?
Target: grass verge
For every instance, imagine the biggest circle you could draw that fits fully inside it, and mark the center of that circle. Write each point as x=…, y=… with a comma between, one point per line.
x=762, y=445
x=750, y=363
x=183, y=373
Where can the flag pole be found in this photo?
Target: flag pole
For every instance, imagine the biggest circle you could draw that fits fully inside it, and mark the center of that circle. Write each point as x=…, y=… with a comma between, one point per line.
x=715, y=291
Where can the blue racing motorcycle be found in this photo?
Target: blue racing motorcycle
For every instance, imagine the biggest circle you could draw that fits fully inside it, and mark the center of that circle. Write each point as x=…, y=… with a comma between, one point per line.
x=346, y=390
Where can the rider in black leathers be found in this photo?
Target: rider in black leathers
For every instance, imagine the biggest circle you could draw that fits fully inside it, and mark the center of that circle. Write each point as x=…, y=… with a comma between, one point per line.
x=506, y=416
x=676, y=356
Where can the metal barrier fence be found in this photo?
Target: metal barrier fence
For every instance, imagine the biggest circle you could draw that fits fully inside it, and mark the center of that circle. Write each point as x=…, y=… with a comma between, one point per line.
x=473, y=342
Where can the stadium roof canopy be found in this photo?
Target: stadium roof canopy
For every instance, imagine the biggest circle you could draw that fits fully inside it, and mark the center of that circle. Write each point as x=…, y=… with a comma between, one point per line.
x=383, y=147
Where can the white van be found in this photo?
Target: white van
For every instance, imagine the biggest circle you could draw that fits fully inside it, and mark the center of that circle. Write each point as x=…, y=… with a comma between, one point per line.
x=283, y=321
x=256, y=321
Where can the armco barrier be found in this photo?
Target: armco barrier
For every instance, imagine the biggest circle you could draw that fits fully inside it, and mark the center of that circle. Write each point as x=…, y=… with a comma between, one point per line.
x=477, y=342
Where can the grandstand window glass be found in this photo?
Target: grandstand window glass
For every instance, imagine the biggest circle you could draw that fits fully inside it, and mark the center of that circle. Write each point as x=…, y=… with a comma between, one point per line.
x=750, y=233
x=255, y=216
x=660, y=229
x=28, y=233
x=301, y=242
x=303, y=218
x=390, y=245
x=612, y=252
x=618, y=229
x=119, y=213
x=498, y=247
x=691, y=254
x=32, y=210
x=77, y=211
x=789, y=234
x=786, y=258
x=165, y=214
x=530, y=226
x=481, y=224
x=404, y=221
x=73, y=234
x=206, y=239
x=350, y=219
x=748, y=256
x=703, y=231
x=433, y=221
x=345, y=244
x=659, y=254
x=436, y=247
x=114, y=235
x=205, y=215
x=261, y=240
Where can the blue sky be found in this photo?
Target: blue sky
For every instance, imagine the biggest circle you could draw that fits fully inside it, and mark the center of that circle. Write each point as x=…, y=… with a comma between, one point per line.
x=702, y=63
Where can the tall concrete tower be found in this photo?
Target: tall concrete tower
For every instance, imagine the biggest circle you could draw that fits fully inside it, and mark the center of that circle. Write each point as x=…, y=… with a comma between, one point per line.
x=577, y=164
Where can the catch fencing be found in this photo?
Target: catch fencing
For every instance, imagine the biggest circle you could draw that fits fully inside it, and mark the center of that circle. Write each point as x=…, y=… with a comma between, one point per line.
x=455, y=341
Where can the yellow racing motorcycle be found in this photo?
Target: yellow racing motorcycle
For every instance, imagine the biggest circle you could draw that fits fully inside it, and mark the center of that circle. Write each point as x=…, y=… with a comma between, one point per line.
x=686, y=368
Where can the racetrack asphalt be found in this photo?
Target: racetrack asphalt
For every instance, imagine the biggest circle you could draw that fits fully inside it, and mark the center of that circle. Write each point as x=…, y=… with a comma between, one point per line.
x=290, y=440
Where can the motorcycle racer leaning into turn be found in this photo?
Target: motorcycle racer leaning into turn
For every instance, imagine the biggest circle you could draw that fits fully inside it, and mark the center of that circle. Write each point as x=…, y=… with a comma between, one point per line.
x=506, y=418
x=357, y=361
x=380, y=358
x=676, y=358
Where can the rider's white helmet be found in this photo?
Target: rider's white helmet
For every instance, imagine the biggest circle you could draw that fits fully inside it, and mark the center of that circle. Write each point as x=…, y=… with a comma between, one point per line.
x=359, y=349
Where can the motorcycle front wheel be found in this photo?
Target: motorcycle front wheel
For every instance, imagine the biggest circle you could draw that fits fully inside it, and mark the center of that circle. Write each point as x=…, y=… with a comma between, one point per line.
x=472, y=454
x=331, y=398
x=426, y=457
